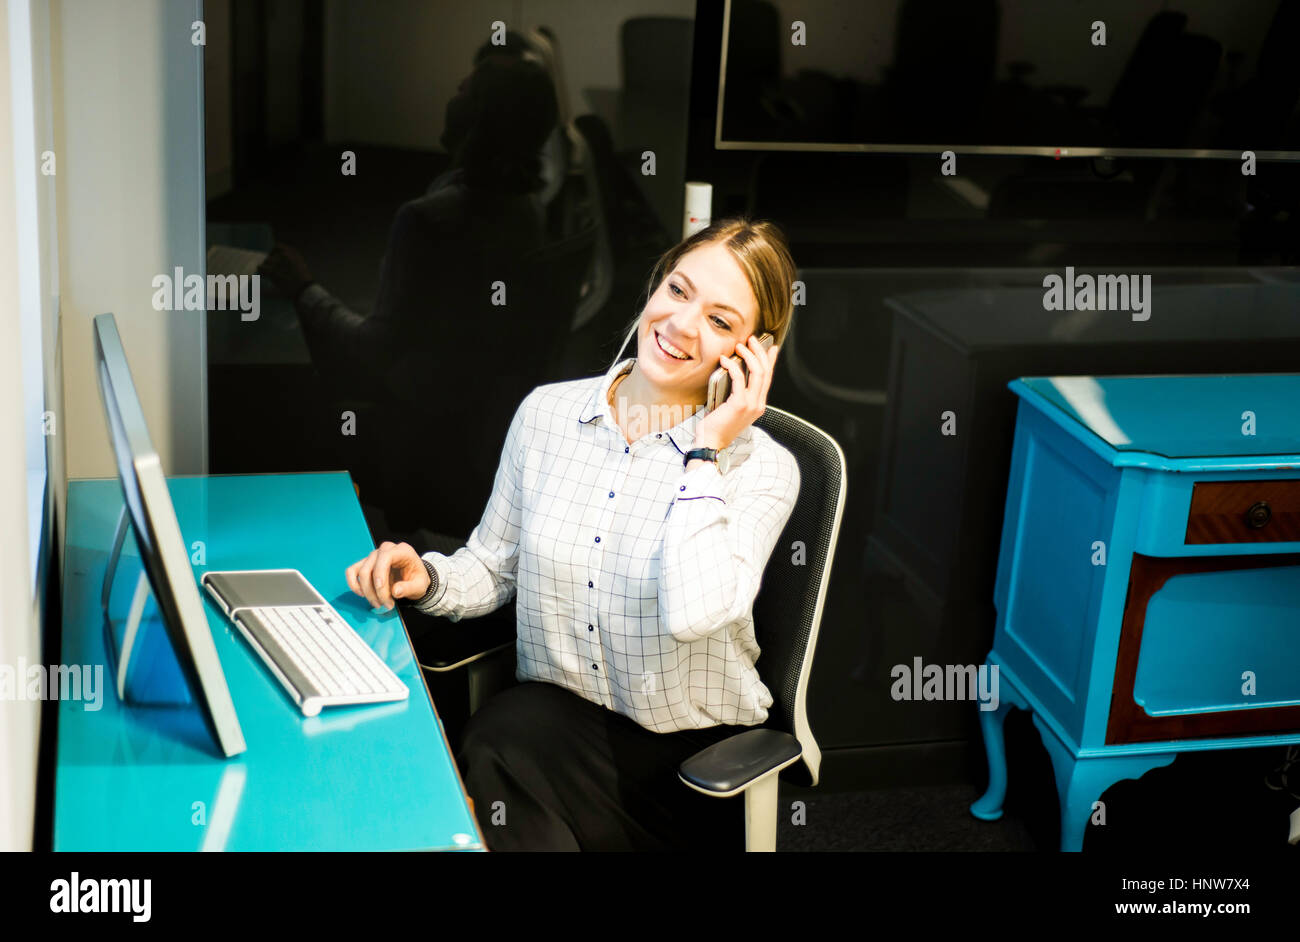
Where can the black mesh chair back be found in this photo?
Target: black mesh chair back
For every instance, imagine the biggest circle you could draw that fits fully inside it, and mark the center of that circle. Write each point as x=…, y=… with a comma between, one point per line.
x=788, y=608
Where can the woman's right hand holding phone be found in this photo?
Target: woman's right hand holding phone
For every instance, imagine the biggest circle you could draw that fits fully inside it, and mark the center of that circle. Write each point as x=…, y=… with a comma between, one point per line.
x=393, y=571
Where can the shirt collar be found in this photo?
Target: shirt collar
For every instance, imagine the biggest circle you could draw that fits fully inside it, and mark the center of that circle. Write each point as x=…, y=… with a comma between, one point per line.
x=682, y=435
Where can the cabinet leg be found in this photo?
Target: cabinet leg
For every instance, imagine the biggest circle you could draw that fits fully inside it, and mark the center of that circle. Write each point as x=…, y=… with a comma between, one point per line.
x=1080, y=782
x=988, y=807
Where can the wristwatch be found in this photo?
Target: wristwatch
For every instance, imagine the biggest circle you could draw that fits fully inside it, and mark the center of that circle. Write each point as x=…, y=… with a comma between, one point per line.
x=433, y=585
x=717, y=456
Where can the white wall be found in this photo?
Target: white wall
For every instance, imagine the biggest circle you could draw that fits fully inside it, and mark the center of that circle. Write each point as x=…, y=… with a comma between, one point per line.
x=28, y=322
x=128, y=130
x=114, y=89
x=19, y=633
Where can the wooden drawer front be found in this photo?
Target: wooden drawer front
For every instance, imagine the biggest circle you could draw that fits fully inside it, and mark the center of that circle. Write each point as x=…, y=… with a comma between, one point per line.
x=1244, y=512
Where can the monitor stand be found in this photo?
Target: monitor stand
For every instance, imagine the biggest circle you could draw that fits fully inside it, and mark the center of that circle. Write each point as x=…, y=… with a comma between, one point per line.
x=143, y=665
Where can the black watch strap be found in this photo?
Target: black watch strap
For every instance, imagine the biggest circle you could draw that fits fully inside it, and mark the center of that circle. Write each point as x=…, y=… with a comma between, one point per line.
x=708, y=454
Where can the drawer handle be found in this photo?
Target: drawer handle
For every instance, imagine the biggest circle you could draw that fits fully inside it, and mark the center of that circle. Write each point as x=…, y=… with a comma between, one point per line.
x=1259, y=515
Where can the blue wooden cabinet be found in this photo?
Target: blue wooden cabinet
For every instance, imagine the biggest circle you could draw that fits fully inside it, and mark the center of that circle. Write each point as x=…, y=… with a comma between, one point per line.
x=1148, y=584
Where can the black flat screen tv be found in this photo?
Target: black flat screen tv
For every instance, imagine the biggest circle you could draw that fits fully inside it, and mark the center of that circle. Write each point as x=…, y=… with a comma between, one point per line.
x=1118, y=78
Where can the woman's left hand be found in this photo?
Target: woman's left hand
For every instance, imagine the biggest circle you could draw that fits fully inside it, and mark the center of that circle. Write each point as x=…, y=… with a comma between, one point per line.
x=748, y=399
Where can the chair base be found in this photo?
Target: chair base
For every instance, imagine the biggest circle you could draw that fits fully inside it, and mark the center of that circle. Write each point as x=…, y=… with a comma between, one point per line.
x=760, y=815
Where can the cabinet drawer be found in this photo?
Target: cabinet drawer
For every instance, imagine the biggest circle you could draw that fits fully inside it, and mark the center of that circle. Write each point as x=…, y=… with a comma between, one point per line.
x=1192, y=627
x=1244, y=512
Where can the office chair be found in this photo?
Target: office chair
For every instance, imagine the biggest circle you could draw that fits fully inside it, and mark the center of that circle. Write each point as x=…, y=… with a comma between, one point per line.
x=546, y=47
x=787, y=616
x=484, y=647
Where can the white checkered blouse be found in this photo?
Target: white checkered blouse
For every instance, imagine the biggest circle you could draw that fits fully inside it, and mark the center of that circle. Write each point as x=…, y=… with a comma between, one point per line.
x=636, y=578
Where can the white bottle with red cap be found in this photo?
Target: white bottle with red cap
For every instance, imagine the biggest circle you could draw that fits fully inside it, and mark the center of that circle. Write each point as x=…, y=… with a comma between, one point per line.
x=699, y=208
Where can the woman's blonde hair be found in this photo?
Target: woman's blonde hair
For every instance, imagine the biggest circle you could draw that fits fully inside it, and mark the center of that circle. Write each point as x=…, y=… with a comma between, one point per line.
x=761, y=250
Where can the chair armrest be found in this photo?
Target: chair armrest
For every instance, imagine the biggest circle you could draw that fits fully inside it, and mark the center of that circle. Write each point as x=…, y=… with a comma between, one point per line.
x=736, y=763
x=450, y=645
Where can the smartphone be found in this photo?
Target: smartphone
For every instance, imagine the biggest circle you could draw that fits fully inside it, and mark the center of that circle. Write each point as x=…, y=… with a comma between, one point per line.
x=720, y=381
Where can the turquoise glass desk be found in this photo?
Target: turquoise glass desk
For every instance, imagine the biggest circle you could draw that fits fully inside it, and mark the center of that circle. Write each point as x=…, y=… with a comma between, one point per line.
x=1148, y=585
x=148, y=778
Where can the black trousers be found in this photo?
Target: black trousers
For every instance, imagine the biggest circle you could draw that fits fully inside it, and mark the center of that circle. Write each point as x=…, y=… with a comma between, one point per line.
x=549, y=770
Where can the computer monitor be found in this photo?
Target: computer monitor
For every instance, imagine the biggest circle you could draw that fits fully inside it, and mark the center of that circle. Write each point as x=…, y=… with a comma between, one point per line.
x=158, y=536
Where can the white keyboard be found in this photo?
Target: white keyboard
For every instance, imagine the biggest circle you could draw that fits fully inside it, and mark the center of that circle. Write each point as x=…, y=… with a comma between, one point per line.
x=318, y=657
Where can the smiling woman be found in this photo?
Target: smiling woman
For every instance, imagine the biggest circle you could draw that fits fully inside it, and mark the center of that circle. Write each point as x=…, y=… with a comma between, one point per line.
x=635, y=555
x=754, y=291
x=707, y=299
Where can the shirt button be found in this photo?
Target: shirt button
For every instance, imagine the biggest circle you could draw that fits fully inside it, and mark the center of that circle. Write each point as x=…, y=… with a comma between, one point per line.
x=682, y=488
x=589, y=628
x=594, y=667
x=626, y=449
x=597, y=539
x=658, y=436
x=589, y=585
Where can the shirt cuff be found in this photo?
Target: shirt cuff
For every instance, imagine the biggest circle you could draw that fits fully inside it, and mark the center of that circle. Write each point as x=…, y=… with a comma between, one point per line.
x=437, y=585
x=703, y=482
